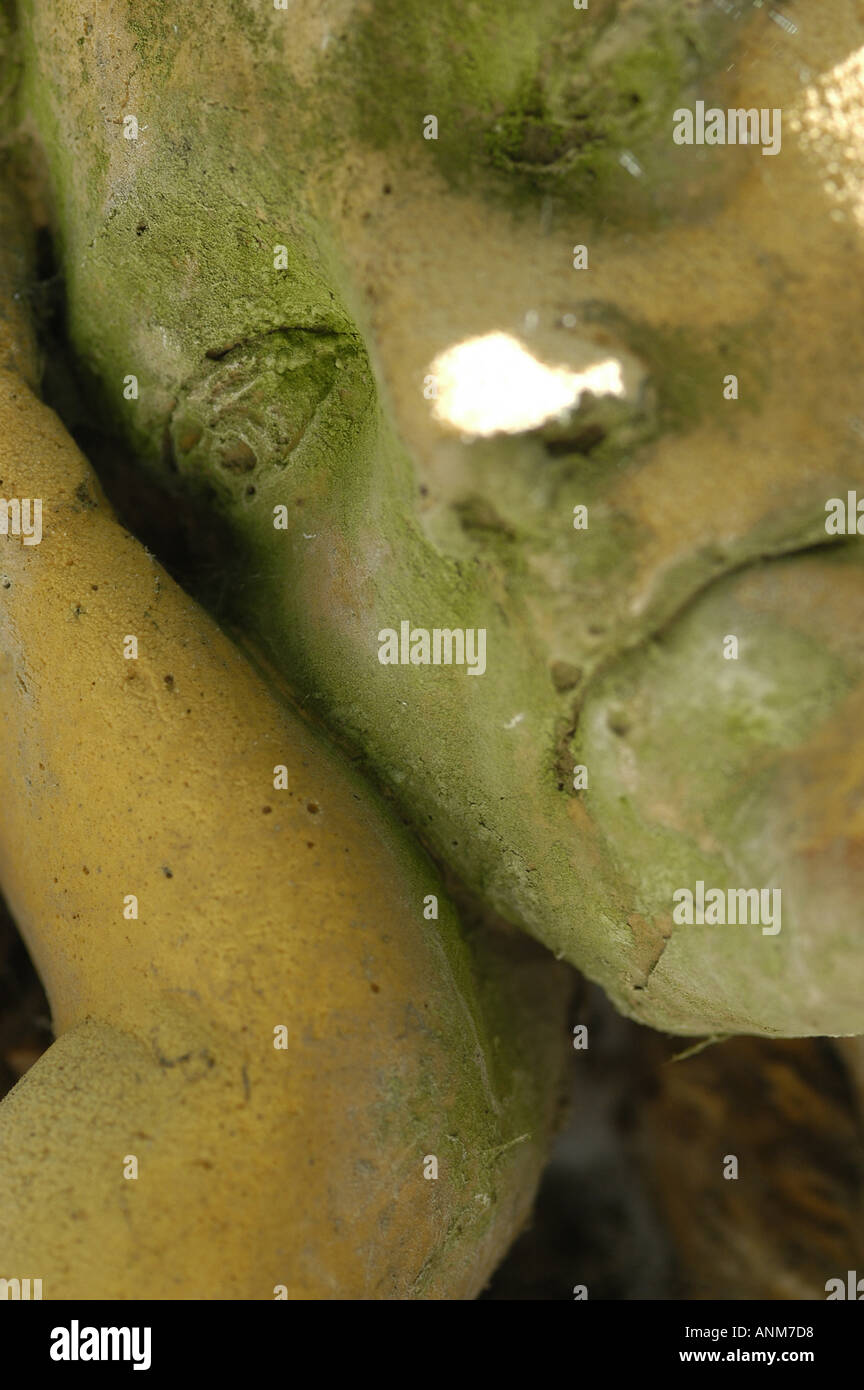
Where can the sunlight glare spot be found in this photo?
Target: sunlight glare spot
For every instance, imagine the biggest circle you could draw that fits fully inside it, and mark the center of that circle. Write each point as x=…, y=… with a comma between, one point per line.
x=493, y=385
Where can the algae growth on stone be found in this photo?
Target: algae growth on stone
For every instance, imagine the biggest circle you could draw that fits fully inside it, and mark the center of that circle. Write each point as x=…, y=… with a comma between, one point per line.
x=261, y=992
x=277, y=259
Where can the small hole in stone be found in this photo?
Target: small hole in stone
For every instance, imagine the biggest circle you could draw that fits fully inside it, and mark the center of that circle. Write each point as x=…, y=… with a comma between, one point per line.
x=312, y=807
x=618, y=722
x=266, y=810
x=582, y=442
x=565, y=676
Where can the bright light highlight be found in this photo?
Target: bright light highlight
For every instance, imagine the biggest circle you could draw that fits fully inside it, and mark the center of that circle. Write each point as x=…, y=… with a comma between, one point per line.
x=493, y=385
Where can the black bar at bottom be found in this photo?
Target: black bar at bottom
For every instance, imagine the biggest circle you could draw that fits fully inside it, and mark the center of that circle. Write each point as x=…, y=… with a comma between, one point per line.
x=83, y=1339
